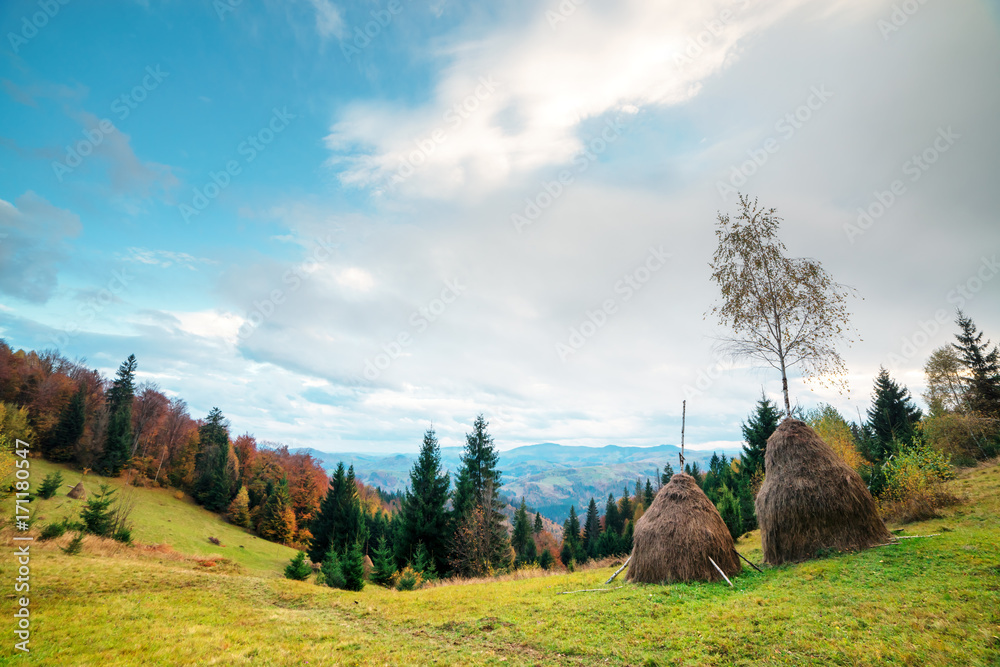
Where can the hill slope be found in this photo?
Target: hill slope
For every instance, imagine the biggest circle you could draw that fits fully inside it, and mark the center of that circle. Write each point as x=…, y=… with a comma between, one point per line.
x=932, y=601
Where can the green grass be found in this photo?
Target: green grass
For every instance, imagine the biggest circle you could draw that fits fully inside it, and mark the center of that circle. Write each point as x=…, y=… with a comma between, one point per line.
x=933, y=601
x=160, y=518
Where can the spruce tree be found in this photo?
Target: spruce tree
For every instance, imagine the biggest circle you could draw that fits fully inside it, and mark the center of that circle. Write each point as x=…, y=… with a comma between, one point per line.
x=274, y=522
x=668, y=472
x=625, y=508
x=239, y=510
x=69, y=429
x=333, y=575
x=118, y=438
x=339, y=521
x=298, y=569
x=892, y=419
x=478, y=486
x=612, y=518
x=648, y=494
x=50, y=485
x=572, y=544
x=423, y=516
x=539, y=526
x=211, y=461
x=383, y=566
x=731, y=512
x=521, y=535
x=424, y=563
x=545, y=559
x=756, y=430
x=983, y=366
x=591, y=529
x=353, y=566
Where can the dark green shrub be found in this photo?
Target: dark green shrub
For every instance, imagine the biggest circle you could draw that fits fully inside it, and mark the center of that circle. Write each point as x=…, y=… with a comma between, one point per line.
x=298, y=569
x=51, y=484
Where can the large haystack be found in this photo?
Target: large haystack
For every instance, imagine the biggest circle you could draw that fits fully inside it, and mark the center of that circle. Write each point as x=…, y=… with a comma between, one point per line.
x=78, y=492
x=811, y=500
x=678, y=534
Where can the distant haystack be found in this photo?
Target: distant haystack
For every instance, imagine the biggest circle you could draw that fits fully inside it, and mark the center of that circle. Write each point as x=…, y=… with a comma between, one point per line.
x=368, y=565
x=78, y=492
x=811, y=500
x=678, y=534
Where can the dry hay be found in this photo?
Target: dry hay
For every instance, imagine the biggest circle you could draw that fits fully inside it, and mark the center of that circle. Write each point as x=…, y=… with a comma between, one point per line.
x=678, y=534
x=78, y=492
x=811, y=501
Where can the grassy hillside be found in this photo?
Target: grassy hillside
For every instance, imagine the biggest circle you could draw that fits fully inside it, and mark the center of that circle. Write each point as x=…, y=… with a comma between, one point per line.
x=933, y=601
x=161, y=518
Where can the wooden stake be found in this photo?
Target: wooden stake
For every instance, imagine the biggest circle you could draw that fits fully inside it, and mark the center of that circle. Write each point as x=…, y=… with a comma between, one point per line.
x=590, y=590
x=721, y=572
x=624, y=565
x=684, y=406
x=748, y=562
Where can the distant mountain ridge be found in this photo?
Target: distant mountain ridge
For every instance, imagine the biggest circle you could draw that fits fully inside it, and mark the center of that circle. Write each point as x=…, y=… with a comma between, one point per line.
x=551, y=477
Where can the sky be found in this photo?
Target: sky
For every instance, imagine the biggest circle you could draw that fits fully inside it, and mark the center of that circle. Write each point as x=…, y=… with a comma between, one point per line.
x=345, y=222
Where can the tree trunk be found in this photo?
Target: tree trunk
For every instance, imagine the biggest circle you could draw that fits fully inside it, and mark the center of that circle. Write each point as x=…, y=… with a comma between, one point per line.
x=784, y=389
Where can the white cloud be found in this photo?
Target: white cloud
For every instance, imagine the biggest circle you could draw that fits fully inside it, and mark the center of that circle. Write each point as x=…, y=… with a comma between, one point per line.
x=515, y=101
x=329, y=22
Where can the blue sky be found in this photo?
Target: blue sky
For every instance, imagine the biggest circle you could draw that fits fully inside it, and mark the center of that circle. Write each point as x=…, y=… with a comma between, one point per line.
x=341, y=238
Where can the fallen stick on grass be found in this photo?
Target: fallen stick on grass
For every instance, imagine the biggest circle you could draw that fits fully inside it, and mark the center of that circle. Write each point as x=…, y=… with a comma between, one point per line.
x=618, y=571
x=721, y=572
x=911, y=537
x=590, y=590
x=748, y=561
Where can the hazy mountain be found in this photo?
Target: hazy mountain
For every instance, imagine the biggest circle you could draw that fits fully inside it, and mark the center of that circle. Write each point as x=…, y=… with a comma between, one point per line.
x=550, y=476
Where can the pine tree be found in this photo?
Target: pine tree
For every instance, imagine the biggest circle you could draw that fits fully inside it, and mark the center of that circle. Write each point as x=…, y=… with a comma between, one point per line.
x=50, y=485
x=333, y=575
x=648, y=494
x=275, y=524
x=613, y=522
x=892, y=418
x=756, y=430
x=298, y=569
x=423, y=516
x=521, y=535
x=478, y=487
x=591, y=529
x=983, y=366
x=353, y=566
x=572, y=548
x=539, y=526
x=668, y=472
x=545, y=560
x=212, y=481
x=729, y=508
x=118, y=438
x=69, y=429
x=625, y=508
x=97, y=515
x=424, y=563
x=638, y=492
x=239, y=509
x=383, y=565
x=339, y=521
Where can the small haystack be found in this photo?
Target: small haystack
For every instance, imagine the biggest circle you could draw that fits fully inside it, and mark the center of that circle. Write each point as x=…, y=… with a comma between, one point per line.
x=78, y=492
x=811, y=500
x=368, y=565
x=678, y=534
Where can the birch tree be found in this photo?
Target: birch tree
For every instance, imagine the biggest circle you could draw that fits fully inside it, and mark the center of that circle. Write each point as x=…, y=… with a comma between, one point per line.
x=783, y=312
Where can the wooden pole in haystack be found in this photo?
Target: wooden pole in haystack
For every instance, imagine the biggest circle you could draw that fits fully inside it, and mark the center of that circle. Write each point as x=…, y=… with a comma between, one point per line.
x=684, y=406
